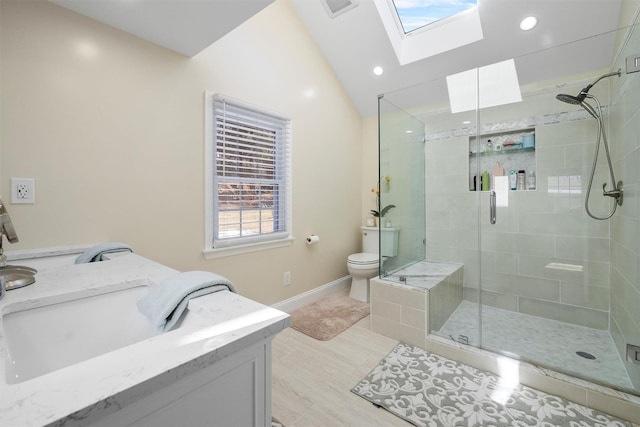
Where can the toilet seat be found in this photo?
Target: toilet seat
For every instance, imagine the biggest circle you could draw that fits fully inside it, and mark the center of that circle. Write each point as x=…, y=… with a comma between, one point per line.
x=363, y=259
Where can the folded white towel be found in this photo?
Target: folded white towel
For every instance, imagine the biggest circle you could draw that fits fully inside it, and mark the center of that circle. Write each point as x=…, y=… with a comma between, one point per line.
x=95, y=252
x=165, y=303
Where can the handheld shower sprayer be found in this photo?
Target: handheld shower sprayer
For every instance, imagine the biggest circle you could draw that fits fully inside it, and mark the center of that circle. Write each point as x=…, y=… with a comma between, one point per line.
x=580, y=99
x=584, y=93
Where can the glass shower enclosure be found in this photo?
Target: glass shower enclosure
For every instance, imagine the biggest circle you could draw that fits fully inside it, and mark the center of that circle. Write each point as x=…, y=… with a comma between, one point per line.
x=496, y=194
x=401, y=183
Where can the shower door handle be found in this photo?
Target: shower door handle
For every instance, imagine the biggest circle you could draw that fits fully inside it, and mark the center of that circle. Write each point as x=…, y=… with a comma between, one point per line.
x=492, y=207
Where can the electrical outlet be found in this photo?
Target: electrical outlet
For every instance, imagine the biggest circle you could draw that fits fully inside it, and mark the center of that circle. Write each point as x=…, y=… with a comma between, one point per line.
x=287, y=278
x=23, y=190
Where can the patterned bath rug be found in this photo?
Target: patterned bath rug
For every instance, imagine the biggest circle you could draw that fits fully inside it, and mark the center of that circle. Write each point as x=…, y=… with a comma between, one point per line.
x=329, y=316
x=430, y=390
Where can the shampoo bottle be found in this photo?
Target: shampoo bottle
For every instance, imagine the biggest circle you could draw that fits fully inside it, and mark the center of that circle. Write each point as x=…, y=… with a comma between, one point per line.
x=513, y=179
x=531, y=181
x=520, y=184
x=485, y=181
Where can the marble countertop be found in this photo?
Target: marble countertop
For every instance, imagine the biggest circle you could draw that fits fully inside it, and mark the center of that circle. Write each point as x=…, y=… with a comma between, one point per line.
x=216, y=325
x=422, y=275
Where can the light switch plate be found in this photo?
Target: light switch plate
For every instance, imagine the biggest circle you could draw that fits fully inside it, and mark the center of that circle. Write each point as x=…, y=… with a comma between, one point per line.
x=633, y=64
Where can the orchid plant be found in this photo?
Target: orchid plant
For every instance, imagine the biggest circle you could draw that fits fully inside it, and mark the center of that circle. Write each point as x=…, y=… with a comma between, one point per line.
x=382, y=212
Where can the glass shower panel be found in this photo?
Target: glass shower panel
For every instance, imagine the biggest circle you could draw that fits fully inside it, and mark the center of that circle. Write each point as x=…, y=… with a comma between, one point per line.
x=452, y=238
x=624, y=237
x=429, y=149
x=401, y=185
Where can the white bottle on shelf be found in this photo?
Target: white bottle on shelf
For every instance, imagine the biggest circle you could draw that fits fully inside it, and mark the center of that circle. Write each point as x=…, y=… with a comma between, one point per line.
x=520, y=180
x=513, y=179
x=531, y=181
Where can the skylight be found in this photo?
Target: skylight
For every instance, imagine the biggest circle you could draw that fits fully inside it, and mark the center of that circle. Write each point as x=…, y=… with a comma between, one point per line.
x=414, y=14
x=488, y=86
x=447, y=34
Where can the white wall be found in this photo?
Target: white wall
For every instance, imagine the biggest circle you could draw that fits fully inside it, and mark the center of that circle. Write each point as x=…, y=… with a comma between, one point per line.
x=111, y=128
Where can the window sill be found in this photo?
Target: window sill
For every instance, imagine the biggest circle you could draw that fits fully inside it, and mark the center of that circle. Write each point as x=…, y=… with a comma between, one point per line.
x=210, y=253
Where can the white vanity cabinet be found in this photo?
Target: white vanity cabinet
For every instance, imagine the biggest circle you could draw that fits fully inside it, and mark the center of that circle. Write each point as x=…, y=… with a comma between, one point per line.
x=235, y=391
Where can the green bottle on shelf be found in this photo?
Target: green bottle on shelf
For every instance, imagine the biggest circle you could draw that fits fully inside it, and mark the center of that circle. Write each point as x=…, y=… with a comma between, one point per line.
x=485, y=181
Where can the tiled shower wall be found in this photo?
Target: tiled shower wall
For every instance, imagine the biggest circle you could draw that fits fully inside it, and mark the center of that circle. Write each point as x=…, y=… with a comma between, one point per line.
x=625, y=225
x=539, y=229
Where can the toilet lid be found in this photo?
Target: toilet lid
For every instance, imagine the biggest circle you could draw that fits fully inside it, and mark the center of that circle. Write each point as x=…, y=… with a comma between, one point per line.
x=363, y=258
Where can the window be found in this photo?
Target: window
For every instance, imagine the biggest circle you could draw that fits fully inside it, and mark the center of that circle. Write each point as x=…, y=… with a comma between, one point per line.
x=248, y=175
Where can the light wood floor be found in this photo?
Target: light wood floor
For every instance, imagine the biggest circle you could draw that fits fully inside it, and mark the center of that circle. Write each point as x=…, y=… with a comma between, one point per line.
x=312, y=379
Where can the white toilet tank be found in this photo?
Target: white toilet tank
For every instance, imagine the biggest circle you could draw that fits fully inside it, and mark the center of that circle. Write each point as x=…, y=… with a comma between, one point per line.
x=370, y=241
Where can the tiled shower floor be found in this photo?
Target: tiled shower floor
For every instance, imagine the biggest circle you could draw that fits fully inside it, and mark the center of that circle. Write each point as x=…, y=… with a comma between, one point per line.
x=541, y=341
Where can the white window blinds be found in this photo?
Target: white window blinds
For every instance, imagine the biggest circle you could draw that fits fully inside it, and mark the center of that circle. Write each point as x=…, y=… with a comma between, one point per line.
x=251, y=178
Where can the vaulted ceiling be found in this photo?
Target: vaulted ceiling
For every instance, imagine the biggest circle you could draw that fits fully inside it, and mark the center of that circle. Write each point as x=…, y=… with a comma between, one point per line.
x=570, y=38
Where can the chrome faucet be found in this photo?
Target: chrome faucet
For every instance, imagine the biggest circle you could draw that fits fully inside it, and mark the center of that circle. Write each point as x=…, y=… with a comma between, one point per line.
x=11, y=276
x=6, y=229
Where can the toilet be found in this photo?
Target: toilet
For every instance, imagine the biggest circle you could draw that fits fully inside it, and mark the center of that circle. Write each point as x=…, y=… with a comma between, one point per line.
x=363, y=266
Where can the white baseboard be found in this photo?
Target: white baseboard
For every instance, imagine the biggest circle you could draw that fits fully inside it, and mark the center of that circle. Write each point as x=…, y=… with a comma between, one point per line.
x=298, y=301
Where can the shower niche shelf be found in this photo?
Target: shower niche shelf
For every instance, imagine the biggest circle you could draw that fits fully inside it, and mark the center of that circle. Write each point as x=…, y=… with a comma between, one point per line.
x=507, y=147
x=503, y=152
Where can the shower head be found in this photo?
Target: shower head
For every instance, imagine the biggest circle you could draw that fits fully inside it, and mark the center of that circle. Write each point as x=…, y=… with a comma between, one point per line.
x=584, y=93
x=569, y=99
x=577, y=100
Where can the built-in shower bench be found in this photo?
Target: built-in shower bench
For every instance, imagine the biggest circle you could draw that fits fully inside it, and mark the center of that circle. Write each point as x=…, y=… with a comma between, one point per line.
x=409, y=303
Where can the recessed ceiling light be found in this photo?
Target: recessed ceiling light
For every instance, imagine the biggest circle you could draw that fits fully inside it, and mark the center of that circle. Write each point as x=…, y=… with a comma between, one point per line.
x=528, y=23
x=378, y=71
x=466, y=122
x=408, y=131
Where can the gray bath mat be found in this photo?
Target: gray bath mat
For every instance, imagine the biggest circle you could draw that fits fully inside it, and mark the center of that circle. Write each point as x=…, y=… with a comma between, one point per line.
x=430, y=390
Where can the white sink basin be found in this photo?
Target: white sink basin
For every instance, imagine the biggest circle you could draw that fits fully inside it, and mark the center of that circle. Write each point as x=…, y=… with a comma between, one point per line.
x=55, y=335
